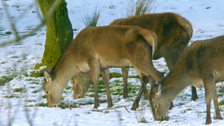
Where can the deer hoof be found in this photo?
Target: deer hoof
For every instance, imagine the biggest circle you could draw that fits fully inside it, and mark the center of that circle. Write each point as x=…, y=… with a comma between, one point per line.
x=109, y=105
x=134, y=106
x=96, y=106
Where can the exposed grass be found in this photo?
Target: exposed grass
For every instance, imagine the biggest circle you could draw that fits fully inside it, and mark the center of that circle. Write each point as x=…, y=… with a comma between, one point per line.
x=30, y=101
x=101, y=88
x=19, y=90
x=115, y=75
x=37, y=71
x=68, y=88
x=221, y=102
x=116, y=88
x=133, y=76
x=133, y=89
x=8, y=32
x=117, y=82
x=64, y=105
x=142, y=120
x=35, y=91
x=5, y=79
x=42, y=104
x=91, y=20
x=12, y=96
x=220, y=91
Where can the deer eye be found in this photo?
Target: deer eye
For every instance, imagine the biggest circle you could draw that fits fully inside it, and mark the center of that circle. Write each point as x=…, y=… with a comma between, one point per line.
x=47, y=92
x=156, y=106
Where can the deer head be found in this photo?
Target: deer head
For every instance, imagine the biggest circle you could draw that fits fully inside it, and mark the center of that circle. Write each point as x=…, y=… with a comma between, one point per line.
x=81, y=84
x=159, y=105
x=48, y=86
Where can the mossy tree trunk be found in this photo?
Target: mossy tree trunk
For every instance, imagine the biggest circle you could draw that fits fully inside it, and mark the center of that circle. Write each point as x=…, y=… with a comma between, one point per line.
x=59, y=31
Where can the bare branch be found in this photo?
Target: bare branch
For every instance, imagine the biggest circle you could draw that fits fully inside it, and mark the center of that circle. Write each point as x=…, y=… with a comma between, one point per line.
x=38, y=12
x=17, y=39
x=12, y=23
x=39, y=26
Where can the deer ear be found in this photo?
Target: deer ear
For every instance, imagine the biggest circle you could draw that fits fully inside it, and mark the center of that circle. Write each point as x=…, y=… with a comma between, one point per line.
x=158, y=90
x=47, y=77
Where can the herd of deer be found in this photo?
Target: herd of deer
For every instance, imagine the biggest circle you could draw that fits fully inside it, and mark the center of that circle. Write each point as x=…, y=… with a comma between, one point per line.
x=136, y=41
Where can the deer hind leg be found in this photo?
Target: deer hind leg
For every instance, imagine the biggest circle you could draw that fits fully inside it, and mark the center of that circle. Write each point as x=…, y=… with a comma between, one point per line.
x=209, y=91
x=216, y=104
x=194, y=96
x=105, y=75
x=125, y=81
x=94, y=75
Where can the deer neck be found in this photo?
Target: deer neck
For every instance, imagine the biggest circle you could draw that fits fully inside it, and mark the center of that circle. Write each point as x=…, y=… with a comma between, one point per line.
x=173, y=84
x=64, y=70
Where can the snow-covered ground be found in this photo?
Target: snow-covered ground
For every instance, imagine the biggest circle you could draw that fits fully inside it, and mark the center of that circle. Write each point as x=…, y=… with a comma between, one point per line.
x=206, y=16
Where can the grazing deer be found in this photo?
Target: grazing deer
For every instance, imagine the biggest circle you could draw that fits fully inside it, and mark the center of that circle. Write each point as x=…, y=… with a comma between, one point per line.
x=202, y=65
x=173, y=33
x=97, y=48
x=80, y=79
x=81, y=84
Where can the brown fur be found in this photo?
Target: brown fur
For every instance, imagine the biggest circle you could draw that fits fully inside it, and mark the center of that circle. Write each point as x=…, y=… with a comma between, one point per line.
x=98, y=48
x=173, y=33
x=201, y=65
x=172, y=30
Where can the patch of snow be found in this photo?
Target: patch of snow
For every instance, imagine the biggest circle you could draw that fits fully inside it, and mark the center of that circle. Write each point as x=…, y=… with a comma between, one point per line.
x=206, y=16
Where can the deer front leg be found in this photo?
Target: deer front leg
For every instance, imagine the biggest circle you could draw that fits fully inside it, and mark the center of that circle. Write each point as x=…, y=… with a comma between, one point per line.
x=137, y=99
x=94, y=75
x=143, y=85
x=125, y=81
x=149, y=80
x=105, y=75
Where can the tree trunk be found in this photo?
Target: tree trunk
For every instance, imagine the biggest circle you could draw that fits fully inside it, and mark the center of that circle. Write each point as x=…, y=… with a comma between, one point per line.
x=59, y=31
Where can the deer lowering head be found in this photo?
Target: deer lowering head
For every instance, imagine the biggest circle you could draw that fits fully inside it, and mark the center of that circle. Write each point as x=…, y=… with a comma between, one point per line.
x=98, y=48
x=81, y=84
x=173, y=34
x=202, y=65
x=173, y=31
x=57, y=78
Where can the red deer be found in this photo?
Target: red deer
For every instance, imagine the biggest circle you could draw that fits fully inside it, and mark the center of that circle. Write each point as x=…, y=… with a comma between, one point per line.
x=173, y=33
x=201, y=65
x=97, y=48
x=80, y=79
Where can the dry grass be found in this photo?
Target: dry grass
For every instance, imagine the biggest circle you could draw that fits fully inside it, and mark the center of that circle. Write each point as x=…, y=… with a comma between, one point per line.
x=91, y=20
x=140, y=7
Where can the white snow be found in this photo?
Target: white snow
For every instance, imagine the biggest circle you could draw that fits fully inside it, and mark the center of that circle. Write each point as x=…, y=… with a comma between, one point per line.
x=206, y=16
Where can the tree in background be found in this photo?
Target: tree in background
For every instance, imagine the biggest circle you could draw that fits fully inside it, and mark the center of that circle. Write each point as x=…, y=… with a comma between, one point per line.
x=59, y=30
